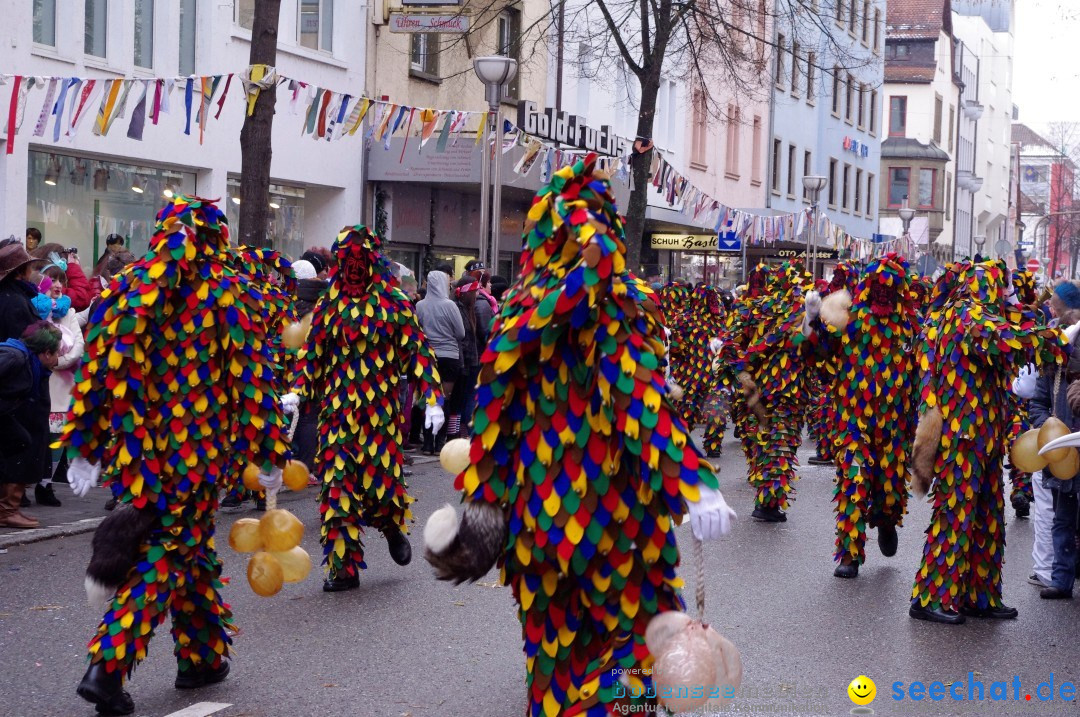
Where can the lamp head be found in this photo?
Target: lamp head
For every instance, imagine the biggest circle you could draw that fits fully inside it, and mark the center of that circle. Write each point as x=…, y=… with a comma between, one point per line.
x=495, y=70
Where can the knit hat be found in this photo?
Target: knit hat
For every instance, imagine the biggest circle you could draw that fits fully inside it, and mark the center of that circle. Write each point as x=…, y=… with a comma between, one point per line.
x=1069, y=294
x=303, y=269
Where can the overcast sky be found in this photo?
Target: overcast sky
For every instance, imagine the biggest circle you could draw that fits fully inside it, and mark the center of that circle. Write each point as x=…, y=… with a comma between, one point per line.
x=1046, y=76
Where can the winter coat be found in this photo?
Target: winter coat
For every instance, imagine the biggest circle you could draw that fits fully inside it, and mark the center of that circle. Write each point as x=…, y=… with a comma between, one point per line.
x=71, y=353
x=24, y=414
x=471, y=347
x=1039, y=409
x=78, y=288
x=16, y=311
x=440, y=318
x=308, y=292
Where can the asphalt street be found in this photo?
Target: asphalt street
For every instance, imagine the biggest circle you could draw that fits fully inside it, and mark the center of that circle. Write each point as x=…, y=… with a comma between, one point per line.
x=406, y=645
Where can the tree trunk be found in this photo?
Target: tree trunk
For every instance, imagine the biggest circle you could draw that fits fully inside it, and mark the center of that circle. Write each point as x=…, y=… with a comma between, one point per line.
x=255, y=137
x=639, y=165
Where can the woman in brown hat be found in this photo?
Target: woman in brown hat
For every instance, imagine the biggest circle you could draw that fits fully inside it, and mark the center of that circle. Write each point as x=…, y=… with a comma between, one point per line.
x=16, y=291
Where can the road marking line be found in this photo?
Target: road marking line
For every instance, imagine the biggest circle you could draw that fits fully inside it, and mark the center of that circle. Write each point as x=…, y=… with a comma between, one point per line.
x=201, y=709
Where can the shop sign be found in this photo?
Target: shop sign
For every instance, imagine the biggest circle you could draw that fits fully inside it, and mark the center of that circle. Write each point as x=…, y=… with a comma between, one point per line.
x=823, y=254
x=854, y=146
x=454, y=3
x=410, y=22
x=684, y=242
x=571, y=130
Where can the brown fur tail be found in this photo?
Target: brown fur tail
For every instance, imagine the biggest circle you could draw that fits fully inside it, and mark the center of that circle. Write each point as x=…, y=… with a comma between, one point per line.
x=927, y=440
x=753, y=397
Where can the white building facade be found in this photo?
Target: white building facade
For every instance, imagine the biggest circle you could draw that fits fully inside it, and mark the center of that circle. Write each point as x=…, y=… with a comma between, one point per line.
x=78, y=185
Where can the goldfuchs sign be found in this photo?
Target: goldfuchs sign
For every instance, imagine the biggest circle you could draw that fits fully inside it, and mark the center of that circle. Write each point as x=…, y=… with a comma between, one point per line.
x=412, y=22
x=568, y=129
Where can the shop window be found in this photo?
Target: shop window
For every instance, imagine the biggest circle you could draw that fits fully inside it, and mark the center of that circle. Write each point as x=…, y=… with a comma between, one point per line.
x=285, y=229
x=899, y=186
x=508, y=29
x=897, y=116
x=78, y=201
x=927, y=185
x=244, y=13
x=95, y=27
x=316, y=24
x=424, y=54
x=144, y=33
x=45, y=22
x=187, y=37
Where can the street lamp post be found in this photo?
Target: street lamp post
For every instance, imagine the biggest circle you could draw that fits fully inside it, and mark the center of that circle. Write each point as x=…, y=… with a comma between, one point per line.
x=907, y=214
x=813, y=185
x=495, y=72
x=979, y=241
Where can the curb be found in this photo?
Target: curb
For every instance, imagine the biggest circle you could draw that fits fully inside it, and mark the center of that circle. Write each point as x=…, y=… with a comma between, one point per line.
x=36, y=535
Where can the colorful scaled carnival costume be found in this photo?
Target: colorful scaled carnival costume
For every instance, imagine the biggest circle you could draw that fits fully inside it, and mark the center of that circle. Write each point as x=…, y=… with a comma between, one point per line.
x=701, y=324
x=580, y=467
x=177, y=384
x=871, y=415
x=1022, y=494
x=775, y=355
x=973, y=341
x=364, y=341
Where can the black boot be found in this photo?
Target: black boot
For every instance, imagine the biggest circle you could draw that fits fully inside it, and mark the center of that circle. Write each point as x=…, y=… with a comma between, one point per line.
x=818, y=460
x=846, y=570
x=335, y=584
x=24, y=502
x=440, y=440
x=887, y=540
x=201, y=676
x=111, y=503
x=105, y=690
x=44, y=495
x=400, y=550
x=1021, y=505
x=1002, y=612
x=232, y=501
x=769, y=515
x=429, y=442
x=946, y=617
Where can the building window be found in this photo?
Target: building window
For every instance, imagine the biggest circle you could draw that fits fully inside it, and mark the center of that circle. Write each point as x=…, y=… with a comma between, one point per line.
x=858, y=191
x=897, y=116
x=45, y=22
x=761, y=14
x=776, y=152
x=755, y=160
x=807, y=170
x=952, y=123
x=853, y=17
x=187, y=37
x=899, y=186
x=794, y=68
x=832, y=182
x=791, y=171
x=862, y=106
x=424, y=53
x=316, y=24
x=873, y=111
x=948, y=195
x=508, y=29
x=869, y=195
x=927, y=185
x=96, y=26
x=846, y=188
x=836, y=90
x=877, y=30
x=850, y=98
x=699, y=136
x=144, y=33
x=840, y=12
x=811, y=76
x=732, y=163
x=937, y=120
x=781, y=49
x=866, y=22
x=897, y=51
x=244, y=13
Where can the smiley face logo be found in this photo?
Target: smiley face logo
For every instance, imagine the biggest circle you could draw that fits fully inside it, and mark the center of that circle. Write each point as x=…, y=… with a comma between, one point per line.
x=862, y=690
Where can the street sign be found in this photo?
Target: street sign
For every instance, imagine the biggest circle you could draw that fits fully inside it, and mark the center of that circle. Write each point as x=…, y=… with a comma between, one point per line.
x=1033, y=266
x=926, y=265
x=1003, y=248
x=729, y=242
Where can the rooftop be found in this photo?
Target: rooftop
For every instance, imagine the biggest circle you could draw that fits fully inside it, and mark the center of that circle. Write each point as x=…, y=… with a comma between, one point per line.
x=909, y=148
x=918, y=19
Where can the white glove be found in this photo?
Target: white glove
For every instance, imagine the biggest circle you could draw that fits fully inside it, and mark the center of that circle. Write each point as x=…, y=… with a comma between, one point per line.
x=1070, y=333
x=716, y=345
x=710, y=515
x=812, y=304
x=434, y=418
x=271, y=482
x=83, y=475
x=1024, y=384
x=290, y=403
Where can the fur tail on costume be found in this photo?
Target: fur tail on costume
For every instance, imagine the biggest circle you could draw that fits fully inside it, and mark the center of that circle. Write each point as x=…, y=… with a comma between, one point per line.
x=675, y=392
x=924, y=453
x=116, y=551
x=835, y=308
x=753, y=397
x=466, y=550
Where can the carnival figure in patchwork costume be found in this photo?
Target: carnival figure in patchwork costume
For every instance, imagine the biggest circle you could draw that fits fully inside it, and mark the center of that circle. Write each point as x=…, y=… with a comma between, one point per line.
x=364, y=342
x=871, y=339
x=176, y=388
x=975, y=338
x=1022, y=494
x=701, y=325
x=579, y=468
x=774, y=363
